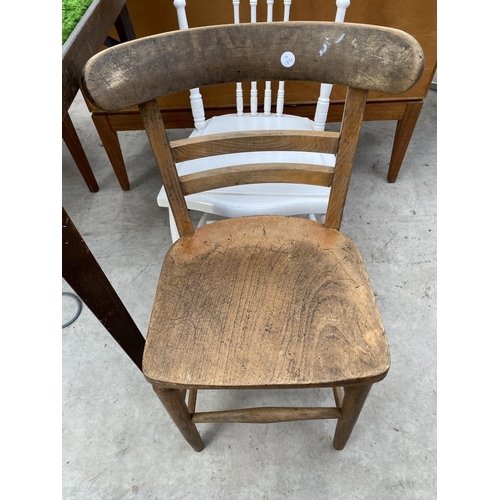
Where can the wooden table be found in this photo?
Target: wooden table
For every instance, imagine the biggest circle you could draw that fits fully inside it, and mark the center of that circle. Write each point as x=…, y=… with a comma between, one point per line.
x=86, y=40
x=154, y=16
x=79, y=267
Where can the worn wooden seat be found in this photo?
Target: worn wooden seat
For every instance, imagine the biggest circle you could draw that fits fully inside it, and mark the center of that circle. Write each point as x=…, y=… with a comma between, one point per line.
x=264, y=301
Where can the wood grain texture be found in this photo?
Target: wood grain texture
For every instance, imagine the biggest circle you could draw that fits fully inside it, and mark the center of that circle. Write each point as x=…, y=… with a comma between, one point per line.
x=260, y=140
x=360, y=56
x=264, y=302
x=266, y=415
x=296, y=173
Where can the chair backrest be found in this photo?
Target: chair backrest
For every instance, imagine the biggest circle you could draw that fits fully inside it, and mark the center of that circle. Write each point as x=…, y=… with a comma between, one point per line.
x=361, y=57
x=323, y=103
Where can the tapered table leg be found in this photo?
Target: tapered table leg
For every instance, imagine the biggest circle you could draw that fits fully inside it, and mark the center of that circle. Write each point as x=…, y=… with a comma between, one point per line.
x=70, y=137
x=111, y=144
x=404, y=131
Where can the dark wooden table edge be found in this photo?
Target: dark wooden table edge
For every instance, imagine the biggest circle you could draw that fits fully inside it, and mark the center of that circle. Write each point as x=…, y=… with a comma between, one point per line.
x=85, y=41
x=82, y=272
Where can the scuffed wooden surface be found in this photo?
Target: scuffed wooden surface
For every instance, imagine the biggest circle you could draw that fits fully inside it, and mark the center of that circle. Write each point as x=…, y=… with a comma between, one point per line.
x=268, y=302
x=358, y=55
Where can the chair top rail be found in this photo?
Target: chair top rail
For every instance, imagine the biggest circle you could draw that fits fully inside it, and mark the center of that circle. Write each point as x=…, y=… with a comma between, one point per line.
x=357, y=55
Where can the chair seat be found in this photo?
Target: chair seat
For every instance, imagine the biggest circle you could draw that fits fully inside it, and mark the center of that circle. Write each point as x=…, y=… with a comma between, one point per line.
x=256, y=199
x=264, y=301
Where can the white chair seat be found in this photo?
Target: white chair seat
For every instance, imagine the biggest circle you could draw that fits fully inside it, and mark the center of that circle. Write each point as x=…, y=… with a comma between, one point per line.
x=256, y=199
x=234, y=123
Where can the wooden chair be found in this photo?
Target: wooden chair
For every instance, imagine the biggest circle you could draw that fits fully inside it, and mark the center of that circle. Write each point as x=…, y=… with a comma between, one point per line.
x=263, y=301
x=270, y=199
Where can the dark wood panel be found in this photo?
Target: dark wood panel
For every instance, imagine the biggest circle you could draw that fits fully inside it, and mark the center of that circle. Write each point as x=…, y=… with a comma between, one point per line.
x=83, y=43
x=83, y=274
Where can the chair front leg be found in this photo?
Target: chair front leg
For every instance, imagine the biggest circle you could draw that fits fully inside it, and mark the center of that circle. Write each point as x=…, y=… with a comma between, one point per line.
x=354, y=399
x=176, y=407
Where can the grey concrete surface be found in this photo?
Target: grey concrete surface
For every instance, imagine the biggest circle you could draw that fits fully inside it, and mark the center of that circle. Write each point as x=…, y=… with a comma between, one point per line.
x=118, y=441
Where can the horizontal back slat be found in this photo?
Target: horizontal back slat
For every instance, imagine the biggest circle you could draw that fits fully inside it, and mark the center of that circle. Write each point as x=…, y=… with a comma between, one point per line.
x=259, y=140
x=356, y=55
x=296, y=173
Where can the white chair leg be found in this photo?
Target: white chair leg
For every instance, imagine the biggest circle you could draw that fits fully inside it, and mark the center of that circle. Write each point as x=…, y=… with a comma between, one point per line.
x=173, y=227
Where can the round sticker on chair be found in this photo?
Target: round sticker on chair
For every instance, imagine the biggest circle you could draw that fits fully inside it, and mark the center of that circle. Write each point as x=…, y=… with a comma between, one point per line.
x=287, y=59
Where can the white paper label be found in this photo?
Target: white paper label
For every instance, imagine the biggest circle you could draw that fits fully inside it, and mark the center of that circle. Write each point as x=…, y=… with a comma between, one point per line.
x=287, y=59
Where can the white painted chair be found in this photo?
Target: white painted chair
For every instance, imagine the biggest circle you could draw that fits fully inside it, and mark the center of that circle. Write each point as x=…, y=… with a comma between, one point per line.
x=256, y=199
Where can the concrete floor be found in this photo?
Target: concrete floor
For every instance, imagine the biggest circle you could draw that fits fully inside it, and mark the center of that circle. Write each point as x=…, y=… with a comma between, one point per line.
x=118, y=441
